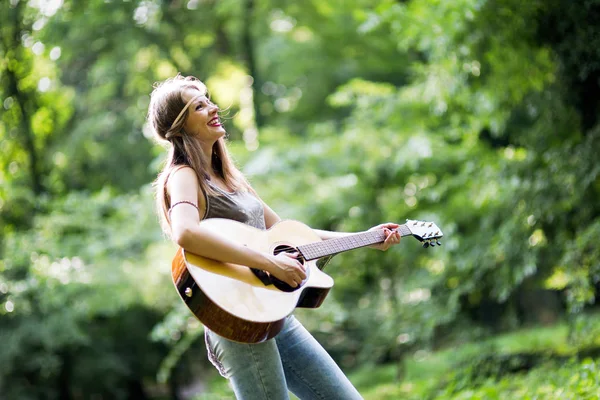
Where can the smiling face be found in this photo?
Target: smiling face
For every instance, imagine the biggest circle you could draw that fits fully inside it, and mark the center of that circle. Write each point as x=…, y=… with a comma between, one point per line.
x=202, y=119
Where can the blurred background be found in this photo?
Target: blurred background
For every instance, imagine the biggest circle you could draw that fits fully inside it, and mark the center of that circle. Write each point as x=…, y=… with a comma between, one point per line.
x=479, y=115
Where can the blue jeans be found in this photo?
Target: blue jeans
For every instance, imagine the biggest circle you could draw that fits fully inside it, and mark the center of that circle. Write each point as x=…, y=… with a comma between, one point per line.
x=292, y=360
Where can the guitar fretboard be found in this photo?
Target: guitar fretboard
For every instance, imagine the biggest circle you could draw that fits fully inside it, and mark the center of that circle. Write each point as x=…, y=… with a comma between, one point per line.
x=329, y=247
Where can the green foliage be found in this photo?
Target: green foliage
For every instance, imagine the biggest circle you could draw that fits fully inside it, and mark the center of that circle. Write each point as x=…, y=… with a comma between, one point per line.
x=466, y=143
x=570, y=380
x=69, y=287
x=574, y=379
x=479, y=115
x=494, y=368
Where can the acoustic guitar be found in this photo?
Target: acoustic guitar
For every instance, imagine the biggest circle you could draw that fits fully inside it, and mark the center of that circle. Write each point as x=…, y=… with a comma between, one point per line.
x=248, y=305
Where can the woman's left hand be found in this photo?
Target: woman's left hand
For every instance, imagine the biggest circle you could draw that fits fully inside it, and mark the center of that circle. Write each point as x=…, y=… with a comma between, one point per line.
x=391, y=237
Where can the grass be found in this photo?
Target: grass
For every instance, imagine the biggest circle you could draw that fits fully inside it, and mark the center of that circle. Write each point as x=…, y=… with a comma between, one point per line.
x=434, y=375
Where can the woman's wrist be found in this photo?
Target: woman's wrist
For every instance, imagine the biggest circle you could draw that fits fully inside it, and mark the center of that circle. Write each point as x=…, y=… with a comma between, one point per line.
x=263, y=261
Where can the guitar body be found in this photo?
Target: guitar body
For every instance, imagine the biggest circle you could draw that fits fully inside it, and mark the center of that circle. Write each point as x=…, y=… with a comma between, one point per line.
x=230, y=299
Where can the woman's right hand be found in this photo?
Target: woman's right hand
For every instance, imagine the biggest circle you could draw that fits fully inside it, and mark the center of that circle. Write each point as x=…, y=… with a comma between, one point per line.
x=286, y=267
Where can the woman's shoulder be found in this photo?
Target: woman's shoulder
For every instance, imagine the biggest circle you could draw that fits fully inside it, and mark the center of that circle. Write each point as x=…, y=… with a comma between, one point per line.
x=180, y=174
x=183, y=168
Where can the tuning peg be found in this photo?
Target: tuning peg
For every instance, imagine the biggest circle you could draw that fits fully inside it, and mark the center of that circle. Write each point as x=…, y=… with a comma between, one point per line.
x=425, y=244
x=438, y=242
x=432, y=243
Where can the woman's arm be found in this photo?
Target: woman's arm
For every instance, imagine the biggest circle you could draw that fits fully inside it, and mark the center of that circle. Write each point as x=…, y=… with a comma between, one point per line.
x=189, y=234
x=392, y=237
x=271, y=217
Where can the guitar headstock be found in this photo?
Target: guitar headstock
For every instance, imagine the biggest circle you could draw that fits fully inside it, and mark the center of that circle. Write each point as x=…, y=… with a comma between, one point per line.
x=427, y=232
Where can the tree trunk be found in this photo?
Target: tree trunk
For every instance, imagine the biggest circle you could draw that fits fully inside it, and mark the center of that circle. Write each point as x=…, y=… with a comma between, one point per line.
x=12, y=48
x=248, y=56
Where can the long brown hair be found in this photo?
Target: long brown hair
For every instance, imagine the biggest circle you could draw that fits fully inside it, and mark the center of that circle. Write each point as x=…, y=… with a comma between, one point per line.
x=166, y=103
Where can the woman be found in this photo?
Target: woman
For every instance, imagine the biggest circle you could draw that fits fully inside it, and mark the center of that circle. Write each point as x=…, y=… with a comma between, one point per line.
x=200, y=181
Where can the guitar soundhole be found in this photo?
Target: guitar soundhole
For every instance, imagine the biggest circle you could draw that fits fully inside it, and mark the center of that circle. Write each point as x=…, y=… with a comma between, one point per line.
x=281, y=285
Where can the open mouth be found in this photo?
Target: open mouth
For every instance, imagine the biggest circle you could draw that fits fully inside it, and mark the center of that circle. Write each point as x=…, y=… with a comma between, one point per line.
x=214, y=122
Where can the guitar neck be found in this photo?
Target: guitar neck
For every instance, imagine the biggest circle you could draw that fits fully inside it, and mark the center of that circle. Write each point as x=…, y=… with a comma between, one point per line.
x=330, y=247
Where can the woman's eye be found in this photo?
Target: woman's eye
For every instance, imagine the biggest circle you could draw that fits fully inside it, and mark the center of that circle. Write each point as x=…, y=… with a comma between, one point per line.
x=199, y=106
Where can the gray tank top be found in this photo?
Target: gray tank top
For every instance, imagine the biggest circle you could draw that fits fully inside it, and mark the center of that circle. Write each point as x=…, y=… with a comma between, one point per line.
x=238, y=206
